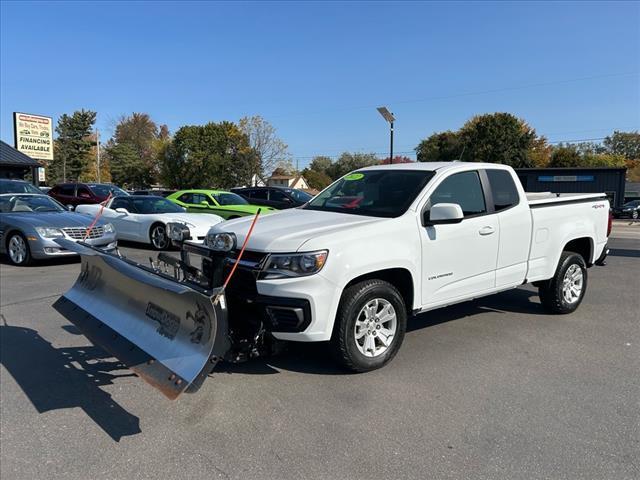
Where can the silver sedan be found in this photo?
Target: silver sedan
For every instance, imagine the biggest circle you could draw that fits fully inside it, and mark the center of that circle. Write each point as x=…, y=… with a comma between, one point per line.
x=30, y=224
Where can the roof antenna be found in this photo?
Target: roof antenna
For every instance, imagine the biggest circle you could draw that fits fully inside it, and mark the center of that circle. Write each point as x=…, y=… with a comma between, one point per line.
x=461, y=154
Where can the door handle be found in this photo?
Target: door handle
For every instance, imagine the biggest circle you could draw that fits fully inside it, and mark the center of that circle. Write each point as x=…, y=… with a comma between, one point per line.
x=486, y=230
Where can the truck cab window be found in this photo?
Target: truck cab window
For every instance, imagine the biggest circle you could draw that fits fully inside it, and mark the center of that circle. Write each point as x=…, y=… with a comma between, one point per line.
x=503, y=189
x=464, y=189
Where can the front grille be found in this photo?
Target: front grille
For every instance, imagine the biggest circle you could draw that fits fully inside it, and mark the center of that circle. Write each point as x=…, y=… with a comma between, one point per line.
x=79, y=233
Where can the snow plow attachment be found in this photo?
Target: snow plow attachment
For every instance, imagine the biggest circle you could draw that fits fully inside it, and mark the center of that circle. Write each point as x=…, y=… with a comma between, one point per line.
x=169, y=333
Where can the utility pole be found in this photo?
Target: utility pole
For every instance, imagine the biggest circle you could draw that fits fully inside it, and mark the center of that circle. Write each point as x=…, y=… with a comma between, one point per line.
x=98, y=153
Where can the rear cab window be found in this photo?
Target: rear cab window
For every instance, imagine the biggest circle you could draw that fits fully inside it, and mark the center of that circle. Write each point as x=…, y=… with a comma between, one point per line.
x=503, y=189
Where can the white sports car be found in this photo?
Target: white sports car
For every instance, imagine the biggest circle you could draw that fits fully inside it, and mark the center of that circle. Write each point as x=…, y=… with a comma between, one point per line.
x=144, y=218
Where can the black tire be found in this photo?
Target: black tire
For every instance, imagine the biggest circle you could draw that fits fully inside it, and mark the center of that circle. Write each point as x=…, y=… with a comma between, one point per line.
x=155, y=243
x=552, y=291
x=343, y=342
x=634, y=215
x=26, y=259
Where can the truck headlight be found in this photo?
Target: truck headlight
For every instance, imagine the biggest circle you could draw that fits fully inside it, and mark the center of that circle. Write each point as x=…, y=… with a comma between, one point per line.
x=178, y=232
x=222, y=242
x=293, y=265
x=108, y=228
x=49, y=232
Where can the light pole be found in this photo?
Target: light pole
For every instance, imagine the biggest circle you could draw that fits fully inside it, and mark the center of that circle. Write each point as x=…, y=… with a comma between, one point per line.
x=388, y=116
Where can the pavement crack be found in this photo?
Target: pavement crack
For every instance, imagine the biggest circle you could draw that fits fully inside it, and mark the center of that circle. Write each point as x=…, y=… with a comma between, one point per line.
x=22, y=302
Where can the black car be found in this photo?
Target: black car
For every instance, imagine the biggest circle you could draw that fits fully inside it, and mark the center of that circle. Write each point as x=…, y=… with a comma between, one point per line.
x=276, y=197
x=629, y=210
x=157, y=192
x=17, y=186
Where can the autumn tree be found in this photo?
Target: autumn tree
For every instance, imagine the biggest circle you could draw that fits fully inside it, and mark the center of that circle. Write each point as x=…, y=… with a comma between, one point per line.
x=396, y=159
x=270, y=150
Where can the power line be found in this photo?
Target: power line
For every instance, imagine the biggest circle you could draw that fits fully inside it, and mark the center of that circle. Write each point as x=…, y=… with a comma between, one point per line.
x=468, y=94
x=412, y=152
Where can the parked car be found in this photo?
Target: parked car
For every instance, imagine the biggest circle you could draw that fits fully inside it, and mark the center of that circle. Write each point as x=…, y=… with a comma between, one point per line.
x=628, y=210
x=226, y=204
x=276, y=197
x=17, y=186
x=73, y=194
x=144, y=219
x=30, y=224
x=350, y=267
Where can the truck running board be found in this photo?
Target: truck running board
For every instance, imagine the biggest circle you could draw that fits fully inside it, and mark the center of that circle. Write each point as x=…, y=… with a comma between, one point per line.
x=167, y=332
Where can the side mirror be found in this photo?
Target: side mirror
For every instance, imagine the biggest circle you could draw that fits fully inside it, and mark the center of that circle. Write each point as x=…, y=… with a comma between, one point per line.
x=122, y=210
x=204, y=203
x=70, y=208
x=443, y=214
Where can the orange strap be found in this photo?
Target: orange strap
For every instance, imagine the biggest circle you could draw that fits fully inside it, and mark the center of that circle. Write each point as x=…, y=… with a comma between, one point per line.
x=244, y=245
x=102, y=205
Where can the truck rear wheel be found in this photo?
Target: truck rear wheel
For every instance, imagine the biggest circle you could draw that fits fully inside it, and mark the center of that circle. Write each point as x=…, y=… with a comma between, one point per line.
x=564, y=292
x=370, y=326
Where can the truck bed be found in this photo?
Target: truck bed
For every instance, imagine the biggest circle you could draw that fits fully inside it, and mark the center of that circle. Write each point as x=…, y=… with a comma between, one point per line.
x=542, y=198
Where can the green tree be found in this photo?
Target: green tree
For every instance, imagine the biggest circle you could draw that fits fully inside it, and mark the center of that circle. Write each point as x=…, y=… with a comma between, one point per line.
x=320, y=164
x=498, y=138
x=440, y=147
x=351, y=161
x=626, y=144
x=211, y=155
x=138, y=134
x=565, y=155
x=316, y=179
x=72, y=147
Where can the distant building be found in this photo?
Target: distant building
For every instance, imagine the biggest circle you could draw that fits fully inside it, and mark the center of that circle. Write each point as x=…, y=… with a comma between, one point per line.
x=16, y=165
x=291, y=181
x=576, y=180
x=631, y=191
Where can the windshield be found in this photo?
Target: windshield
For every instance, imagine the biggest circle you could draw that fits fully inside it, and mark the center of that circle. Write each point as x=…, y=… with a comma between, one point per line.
x=299, y=195
x=13, y=186
x=228, y=198
x=375, y=193
x=155, y=205
x=104, y=190
x=632, y=203
x=29, y=203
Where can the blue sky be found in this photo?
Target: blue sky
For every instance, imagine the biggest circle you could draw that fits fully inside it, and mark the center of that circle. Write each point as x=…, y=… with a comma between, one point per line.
x=317, y=71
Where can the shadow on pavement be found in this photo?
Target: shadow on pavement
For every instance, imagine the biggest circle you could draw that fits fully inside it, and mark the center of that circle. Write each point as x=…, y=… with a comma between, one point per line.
x=55, y=378
x=313, y=358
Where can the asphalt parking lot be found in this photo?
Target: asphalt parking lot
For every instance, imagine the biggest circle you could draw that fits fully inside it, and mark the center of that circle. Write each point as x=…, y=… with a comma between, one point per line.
x=493, y=388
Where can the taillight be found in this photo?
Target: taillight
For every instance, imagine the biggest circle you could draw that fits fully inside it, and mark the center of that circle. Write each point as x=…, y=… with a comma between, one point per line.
x=609, y=224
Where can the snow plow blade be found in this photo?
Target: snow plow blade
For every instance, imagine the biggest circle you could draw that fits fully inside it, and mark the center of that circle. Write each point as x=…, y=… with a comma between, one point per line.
x=169, y=333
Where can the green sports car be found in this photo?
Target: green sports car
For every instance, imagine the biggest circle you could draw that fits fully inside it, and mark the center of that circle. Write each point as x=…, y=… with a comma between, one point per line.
x=226, y=204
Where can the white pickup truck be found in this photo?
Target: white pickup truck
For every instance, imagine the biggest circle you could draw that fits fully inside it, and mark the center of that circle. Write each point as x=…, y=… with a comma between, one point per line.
x=382, y=244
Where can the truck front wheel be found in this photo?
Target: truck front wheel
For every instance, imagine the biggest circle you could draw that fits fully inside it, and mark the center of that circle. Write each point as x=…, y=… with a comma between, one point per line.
x=564, y=292
x=370, y=325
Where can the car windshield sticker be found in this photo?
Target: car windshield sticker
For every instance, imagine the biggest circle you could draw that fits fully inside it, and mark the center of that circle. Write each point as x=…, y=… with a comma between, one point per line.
x=354, y=176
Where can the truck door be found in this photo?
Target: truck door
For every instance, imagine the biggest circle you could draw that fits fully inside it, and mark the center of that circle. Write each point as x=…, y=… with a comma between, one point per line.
x=514, y=218
x=459, y=260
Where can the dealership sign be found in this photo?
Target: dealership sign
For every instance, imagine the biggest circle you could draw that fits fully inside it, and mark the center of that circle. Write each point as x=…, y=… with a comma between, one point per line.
x=566, y=178
x=33, y=135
